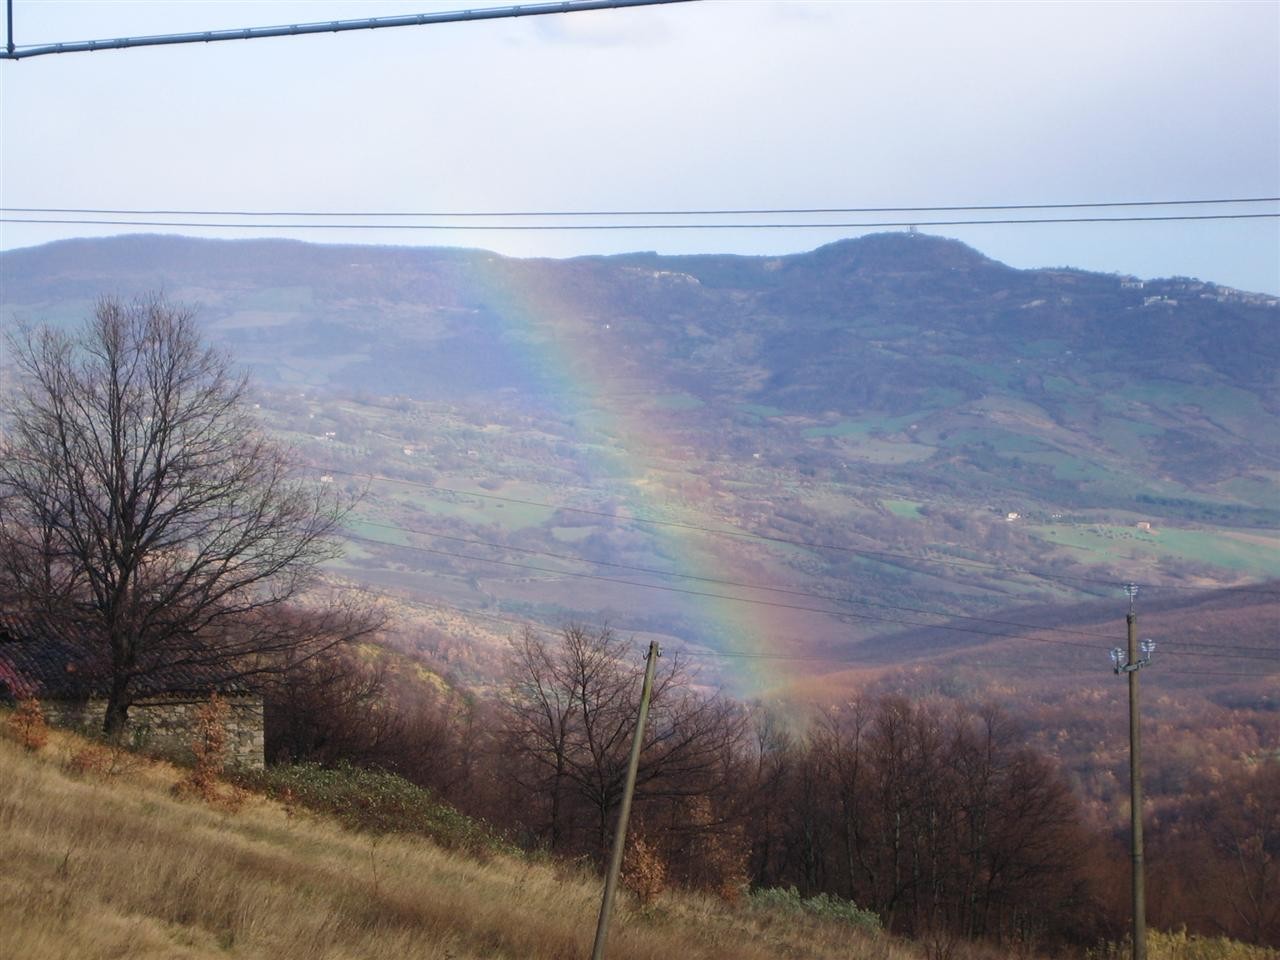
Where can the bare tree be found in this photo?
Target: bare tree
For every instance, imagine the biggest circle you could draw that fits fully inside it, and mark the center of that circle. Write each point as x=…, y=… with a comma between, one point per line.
x=1234, y=826
x=139, y=499
x=567, y=719
x=942, y=822
x=327, y=708
x=539, y=719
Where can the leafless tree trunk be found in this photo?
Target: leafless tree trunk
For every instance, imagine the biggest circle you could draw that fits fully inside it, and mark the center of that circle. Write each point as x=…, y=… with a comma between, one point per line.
x=539, y=719
x=569, y=714
x=139, y=499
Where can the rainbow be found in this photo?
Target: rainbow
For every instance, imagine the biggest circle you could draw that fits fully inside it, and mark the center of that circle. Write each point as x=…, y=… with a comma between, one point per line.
x=566, y=346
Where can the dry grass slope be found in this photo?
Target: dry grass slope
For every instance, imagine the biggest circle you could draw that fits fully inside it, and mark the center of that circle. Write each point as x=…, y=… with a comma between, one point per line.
x=114, y=865
x=100, y=859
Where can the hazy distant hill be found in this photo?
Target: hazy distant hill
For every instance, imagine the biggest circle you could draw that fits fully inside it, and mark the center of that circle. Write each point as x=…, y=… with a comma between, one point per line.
x=899, y=392
x=1178, y=378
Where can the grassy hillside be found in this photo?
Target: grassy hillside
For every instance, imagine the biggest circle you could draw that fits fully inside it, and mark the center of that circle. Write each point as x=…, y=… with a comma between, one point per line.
x=108, y=862
x=112, y=865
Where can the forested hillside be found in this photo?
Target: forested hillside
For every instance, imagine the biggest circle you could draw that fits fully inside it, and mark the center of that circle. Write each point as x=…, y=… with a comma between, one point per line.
x=728, y=453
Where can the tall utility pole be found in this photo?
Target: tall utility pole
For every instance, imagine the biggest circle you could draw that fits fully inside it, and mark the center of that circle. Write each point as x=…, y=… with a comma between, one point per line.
x=624, y=813
x=1131, y=665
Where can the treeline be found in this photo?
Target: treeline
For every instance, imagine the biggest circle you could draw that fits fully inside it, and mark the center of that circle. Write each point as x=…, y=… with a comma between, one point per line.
x=937, y=816
x=1225, y=513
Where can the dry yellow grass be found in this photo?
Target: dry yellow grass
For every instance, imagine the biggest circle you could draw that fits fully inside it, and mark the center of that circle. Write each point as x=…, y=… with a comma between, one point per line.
x=109, y=863
x=97, y=866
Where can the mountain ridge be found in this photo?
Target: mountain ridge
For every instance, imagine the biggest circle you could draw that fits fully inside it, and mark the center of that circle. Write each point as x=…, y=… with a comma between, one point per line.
x=892, y=324
x=898, y=392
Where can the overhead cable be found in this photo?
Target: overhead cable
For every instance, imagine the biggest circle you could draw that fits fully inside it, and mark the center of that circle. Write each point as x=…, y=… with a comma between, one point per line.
x=958, y=562
x=708, y=212
x=835, y=614
x=786, y=591
x=509, y=227
x=855, y=661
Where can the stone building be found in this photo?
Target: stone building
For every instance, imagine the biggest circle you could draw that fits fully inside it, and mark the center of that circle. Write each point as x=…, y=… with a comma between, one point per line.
x=63, y=668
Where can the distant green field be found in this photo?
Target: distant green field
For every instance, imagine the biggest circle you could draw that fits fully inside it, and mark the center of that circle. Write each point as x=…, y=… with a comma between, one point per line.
x=1223, y=550
x=1002, y=441
x=477, y=509
x=1060, y=387
x=909, y=509
x=1005, y=441
x=862, y=427
x=377, y=530
x=1257, y=490
x=1220, y=399
x=1240, y=410
x=1067, y=467
x=1125, y=436
x=1107, y=542
x=845, y=428
x=872, y=450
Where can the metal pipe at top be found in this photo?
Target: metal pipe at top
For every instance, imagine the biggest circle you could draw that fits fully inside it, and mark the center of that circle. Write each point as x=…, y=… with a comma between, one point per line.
x=337, y=26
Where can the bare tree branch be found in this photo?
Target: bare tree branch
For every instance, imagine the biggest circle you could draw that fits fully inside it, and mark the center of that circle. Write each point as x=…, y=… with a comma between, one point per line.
x=139, y=498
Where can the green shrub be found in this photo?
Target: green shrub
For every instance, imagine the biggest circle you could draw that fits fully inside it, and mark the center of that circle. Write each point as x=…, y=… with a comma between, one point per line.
x=824, y=906
x=376, y=802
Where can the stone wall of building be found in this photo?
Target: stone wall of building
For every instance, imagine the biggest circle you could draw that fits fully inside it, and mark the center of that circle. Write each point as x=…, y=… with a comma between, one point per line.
x=166, y=727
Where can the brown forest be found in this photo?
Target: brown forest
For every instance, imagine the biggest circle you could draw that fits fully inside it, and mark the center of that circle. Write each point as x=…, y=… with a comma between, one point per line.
x=950, y=819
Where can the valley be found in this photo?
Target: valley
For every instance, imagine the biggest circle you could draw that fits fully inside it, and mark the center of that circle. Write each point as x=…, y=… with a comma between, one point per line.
x=747, y=458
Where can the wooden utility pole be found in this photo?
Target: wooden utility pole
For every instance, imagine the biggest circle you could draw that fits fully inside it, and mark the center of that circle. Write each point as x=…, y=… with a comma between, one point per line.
x=624, y=813
x=1131, y=665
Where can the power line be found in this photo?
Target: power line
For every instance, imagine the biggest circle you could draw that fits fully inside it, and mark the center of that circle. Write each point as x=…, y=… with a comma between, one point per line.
x=730, y=583
x=797, y=593
x=1221, y=647
x=959, y=562
x=1078, y=671
x=818, y=658
x=507, y=227
x=13, y=52
x=1063, y=670
x=1224, y=653
x=761, y=211
x=837, y=614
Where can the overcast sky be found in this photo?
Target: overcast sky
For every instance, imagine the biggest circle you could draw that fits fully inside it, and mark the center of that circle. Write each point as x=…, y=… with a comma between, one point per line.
x=720, y=104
